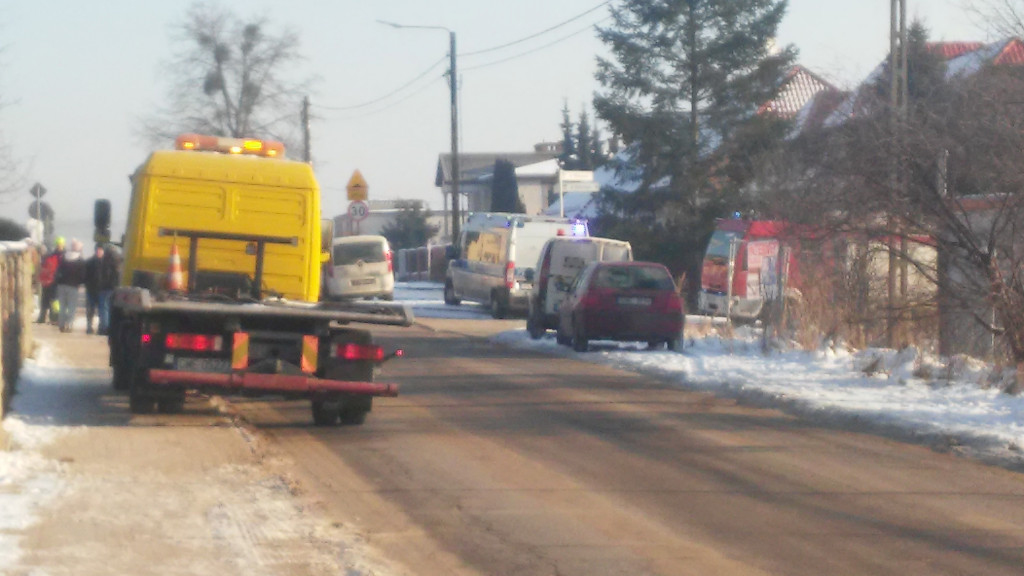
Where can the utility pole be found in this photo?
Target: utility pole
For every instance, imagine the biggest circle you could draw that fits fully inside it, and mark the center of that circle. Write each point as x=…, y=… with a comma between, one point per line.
x=898, y=110
x=306, y=153
x=453, y=84
x=456, y=175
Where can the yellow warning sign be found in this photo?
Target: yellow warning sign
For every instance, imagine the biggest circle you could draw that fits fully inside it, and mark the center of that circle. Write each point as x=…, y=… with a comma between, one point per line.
x=357, y=188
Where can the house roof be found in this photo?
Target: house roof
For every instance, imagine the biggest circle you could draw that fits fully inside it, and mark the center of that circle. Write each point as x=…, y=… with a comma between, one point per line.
x=963, y=59
x=799, y=87
x=480, y=165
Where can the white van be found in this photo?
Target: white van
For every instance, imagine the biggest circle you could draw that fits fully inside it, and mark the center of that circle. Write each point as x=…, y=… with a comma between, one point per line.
x=560, y=262
x=360, y=267
x=495, y=250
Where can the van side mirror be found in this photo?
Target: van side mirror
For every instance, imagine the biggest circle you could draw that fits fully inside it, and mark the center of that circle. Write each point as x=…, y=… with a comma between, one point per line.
x=529, y=274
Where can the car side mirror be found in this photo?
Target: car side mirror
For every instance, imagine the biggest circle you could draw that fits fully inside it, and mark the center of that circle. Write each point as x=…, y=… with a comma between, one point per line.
x=451, y=252
x=529, y=274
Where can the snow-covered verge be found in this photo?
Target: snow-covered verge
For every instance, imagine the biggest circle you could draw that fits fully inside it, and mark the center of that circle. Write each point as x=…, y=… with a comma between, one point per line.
x=951, y=404
x=29, y=482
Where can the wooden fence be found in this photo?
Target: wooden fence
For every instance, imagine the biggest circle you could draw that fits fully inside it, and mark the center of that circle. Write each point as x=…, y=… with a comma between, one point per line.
x=17, y=305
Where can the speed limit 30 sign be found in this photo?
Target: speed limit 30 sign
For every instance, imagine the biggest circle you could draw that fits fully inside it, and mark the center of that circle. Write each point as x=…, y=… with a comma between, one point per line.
x=358, y=210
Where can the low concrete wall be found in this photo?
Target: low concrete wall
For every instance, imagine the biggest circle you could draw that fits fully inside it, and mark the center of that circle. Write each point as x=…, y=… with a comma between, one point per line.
x=18, y=262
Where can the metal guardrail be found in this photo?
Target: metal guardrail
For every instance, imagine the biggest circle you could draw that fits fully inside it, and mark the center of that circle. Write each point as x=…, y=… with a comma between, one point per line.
x=18, y=266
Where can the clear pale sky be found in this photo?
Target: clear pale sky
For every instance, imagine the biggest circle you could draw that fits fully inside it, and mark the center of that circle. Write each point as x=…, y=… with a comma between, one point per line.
x=76, y=78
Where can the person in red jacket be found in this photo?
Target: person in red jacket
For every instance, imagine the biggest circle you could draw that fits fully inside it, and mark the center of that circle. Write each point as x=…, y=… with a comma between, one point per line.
x=48, y=280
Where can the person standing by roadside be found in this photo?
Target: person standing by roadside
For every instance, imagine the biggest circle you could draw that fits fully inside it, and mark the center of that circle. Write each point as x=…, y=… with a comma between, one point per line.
x=70, y=275
x=48, y=279
x=110, y=277
x=92, y=287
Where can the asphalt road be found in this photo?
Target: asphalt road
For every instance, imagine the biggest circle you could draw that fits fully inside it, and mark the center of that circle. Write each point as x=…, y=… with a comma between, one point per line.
x=507, y=462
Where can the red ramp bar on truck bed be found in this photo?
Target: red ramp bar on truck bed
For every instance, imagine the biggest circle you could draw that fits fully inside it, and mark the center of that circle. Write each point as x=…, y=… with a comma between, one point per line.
x=270, y=382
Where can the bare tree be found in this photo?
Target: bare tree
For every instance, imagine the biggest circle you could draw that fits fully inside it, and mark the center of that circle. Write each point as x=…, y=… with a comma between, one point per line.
x=231, y=76
x=1000, y=18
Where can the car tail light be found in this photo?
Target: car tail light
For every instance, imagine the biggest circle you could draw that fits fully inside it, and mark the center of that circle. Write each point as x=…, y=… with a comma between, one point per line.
x=510, y=274
x=194, y=342
x=389, y=256
x=355, y=352
x=674, y=303
x=590, y=300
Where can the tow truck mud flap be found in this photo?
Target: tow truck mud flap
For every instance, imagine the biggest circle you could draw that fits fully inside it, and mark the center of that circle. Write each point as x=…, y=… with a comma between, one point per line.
x=269, y=382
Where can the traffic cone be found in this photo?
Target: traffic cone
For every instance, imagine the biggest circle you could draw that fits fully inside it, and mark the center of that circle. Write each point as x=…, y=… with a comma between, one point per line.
x=175, y=279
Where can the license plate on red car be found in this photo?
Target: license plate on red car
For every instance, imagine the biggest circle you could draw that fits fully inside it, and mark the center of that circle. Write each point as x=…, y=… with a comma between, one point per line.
x=633, y=301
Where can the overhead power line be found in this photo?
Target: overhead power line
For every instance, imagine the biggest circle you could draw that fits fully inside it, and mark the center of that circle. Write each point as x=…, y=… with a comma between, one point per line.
x=392, y=104
x=538, y=48
x=389, y=94
x=541, y=33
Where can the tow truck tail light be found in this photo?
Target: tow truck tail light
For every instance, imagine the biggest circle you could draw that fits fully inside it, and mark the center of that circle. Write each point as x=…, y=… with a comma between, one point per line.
x=510, y=274
x=355, y=352
x=194, y=342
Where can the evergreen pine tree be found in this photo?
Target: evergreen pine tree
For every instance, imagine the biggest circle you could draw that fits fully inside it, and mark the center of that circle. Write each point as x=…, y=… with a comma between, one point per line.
x=584, y=143
x=568, y=158
x=410, y=227
x=682, y=87
x=505, y=189
x=597, y=152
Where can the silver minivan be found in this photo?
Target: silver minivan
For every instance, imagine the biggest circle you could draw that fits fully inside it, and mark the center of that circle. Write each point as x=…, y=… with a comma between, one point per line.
x=360, y=267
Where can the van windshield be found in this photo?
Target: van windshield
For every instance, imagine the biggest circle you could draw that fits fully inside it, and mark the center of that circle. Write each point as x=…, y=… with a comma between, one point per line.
x=347, y=254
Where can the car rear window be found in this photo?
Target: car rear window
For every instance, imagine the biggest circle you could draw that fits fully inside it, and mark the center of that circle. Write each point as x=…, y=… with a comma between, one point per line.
x=347, y=254
x=634, y=278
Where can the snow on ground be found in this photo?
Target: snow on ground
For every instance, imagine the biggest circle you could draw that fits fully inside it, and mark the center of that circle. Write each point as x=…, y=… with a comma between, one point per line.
x=28, y=480
x=957, y=405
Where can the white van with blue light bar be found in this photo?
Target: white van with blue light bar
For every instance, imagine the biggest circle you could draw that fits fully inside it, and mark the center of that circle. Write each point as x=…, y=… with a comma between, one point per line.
x=489, y=263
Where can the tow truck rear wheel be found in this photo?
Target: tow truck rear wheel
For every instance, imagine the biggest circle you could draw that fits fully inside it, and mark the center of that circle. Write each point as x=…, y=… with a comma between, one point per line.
x=354, y=410
x=140, y=403
x=325, y=413
x=171, y=404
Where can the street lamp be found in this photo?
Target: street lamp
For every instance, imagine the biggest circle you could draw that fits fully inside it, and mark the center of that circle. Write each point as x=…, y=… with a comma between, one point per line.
x=455, y=120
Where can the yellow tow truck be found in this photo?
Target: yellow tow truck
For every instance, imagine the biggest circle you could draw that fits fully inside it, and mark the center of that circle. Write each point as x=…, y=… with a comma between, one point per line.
x=220, y=287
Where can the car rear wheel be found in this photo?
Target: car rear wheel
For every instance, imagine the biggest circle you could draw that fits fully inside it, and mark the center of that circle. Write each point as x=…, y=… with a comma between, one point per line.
x=449, y=295
x=579, y=338
x=654, y=344
x=499, y=306
x=675, y=344
x=535, y=327
x=562, y=339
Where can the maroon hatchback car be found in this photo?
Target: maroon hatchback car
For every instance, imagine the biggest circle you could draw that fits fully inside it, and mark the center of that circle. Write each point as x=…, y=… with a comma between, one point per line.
x=622, y=301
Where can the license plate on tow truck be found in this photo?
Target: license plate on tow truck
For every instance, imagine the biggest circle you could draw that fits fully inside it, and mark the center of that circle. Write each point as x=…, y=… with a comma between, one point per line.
x=218, y=365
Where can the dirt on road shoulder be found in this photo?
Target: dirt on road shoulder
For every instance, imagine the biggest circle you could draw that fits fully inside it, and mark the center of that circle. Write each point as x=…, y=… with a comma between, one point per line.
x=194, y=493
